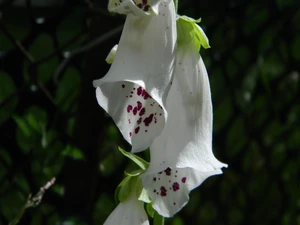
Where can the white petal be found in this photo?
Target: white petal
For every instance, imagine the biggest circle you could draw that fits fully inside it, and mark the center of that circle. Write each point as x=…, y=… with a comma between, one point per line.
x=144, y=59
x=130, y=212
x=138, y=116
x=134, y=7
x=169, y=189
x=186, y=140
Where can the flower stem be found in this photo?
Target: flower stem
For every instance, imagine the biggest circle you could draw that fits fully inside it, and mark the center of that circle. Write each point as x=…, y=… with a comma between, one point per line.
x=158, y=219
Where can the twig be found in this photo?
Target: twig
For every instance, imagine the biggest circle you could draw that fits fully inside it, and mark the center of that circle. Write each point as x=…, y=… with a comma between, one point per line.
x=17, y=43
x=84, y=48
x=46, y=92
x=33, y=201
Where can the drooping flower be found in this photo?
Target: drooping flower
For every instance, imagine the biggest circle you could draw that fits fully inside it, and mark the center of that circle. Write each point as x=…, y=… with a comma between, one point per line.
x=129, y=212
x=182, y=157
x=134, y=90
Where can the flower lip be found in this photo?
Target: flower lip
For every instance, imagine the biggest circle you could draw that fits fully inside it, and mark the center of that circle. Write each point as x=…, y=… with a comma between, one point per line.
x=169, y=189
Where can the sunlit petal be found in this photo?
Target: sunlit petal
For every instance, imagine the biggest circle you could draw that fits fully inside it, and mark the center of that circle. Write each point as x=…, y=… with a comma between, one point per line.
x=134, y=90
x=186, y=140
x=169, y=189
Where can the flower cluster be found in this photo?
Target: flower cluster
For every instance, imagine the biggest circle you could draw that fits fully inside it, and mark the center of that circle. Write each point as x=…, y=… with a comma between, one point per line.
x=157, y=92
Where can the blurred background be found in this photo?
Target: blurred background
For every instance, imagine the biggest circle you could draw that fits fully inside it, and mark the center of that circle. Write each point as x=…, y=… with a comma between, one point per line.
x=51, y=124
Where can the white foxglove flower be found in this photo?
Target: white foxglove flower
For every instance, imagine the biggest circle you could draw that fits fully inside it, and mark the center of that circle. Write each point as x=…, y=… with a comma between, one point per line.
x=134, y=90
x=129, y=212
x=182, y=157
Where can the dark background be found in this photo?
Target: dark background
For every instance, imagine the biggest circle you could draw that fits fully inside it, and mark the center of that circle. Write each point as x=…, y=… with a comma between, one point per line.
x=52, y=126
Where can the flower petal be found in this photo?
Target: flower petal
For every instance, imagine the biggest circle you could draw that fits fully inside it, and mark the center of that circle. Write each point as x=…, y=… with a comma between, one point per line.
x=134, y=90
x=186, y=140
x=128, y=213
x=135, y=7
x=169, y=189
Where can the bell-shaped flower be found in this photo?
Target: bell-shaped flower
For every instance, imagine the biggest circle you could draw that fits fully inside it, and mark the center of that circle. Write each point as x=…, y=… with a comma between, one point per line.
x=182, y=157
x=134, y=90
x=129, y=212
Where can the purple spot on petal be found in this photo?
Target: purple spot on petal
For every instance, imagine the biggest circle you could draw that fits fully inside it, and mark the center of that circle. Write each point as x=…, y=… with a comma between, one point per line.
x=139, y=91
x=139, y=120
x=134, y=111
x=130, y=134
x=142, y=112
x=154, y=179
x=139, y=105
x=175, y=186
x=183, y=179
x=148, y=120
x=129, y=108
x=137, y=130
x=168, y=171
x=163, y=191
x=123, y=85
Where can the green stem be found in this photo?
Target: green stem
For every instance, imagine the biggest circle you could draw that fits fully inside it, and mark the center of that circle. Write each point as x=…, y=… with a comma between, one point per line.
x=158, y=219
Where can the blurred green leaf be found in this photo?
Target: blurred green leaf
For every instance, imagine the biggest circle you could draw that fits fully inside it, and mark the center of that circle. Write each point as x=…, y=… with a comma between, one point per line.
x=68, y=90
x=7, y=88
x=73, y=152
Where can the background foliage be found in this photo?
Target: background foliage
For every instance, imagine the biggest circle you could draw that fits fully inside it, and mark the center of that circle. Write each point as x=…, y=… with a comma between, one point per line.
x=51, y=125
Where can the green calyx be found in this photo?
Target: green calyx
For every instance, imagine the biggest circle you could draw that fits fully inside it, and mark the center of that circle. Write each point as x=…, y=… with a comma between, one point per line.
x=132, y=182
x=189, y=32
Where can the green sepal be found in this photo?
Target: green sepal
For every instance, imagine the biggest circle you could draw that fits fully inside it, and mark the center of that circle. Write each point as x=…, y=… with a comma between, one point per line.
x=124, y=189
x=137, y=160
x=141, y=193
x=134, y=173
x=150, y=209
x=188, y=31
x=189, y=19
x=158, y=219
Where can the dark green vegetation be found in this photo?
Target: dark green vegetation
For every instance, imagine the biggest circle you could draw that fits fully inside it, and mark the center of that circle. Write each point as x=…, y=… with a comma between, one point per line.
x=52, y=126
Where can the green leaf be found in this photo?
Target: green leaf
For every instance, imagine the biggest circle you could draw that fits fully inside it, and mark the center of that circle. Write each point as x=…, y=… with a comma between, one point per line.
x=23, y=125
x=158, y=219
x=68, y=90
x=73, y=152
x=137, y=160
x=31, y=129
x=7, y=88
x=150, y=209
x=189, y=32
